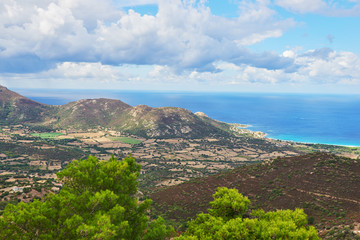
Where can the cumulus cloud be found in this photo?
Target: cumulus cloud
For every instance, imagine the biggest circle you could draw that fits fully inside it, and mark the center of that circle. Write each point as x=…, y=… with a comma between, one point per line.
x=67, y=41
x=302, y=6
x=182, y=35
x=314, y=67
x=85, y=70
x=330, y=67
x=320, y=66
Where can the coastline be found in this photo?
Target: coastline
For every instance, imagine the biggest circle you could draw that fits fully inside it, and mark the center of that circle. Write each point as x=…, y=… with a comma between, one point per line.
x=314, y=142
x=313, y=122
x=242, y=128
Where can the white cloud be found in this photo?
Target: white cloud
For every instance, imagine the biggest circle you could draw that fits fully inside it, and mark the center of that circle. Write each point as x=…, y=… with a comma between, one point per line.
x=82, y=43
x=289, y=54
x=258, y=37
x=302, y=6
x=315, y=67
x=83, y=70
x=322, y=66
x=182, y=35
x=336, y=67
x=259, y=75
x=49, y=33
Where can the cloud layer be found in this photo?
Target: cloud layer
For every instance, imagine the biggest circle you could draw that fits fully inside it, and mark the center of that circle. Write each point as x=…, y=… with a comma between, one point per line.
x=319, y=67
x=78, y=40
x=183, y=34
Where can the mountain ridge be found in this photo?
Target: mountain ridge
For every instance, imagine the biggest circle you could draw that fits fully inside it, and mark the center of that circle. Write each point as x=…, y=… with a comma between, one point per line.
x=140, y=120
x=16, y=108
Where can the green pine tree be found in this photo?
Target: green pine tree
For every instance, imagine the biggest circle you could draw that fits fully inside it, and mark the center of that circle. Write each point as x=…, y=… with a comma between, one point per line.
x=97, y=202
x=226, y=220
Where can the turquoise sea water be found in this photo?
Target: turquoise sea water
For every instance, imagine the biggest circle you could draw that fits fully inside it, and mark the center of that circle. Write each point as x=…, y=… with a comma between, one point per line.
x=328, y=119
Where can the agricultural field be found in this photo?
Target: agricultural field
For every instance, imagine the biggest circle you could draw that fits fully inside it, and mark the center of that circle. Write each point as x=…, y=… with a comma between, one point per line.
x=128, y=140
x=50, y=135
x=30, y=159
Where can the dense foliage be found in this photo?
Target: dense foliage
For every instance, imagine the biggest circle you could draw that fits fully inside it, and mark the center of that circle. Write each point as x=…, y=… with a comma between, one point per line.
x=227, y=220
x=98, y=201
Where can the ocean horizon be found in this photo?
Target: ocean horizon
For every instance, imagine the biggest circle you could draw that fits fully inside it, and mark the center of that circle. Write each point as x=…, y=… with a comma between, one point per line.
x=308, y=118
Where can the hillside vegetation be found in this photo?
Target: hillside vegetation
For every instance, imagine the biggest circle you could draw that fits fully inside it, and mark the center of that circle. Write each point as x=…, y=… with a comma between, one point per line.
x=99, y=200
x=144, y=121
x=326, y=186
x=15, y=108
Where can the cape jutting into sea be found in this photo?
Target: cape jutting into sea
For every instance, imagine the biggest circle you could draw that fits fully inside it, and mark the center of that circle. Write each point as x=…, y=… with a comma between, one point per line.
x=327, y=119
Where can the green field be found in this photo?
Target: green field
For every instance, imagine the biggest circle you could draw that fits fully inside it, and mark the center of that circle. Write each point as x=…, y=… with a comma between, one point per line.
x=47, y=135
x=125, y=140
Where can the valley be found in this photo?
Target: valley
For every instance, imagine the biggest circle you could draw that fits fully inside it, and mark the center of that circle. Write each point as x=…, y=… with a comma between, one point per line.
x=29, y=159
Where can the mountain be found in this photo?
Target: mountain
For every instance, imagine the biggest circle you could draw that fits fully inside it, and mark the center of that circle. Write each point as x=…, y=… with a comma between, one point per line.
x=15, y=108
x=90, y=113
x=326, y=186
x=164, y=122
x=141, y=120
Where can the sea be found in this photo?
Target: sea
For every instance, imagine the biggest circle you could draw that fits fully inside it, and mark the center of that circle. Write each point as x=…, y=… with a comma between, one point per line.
x=308, y=118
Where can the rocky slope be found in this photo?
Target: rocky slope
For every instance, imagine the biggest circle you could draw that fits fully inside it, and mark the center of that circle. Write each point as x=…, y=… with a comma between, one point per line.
x=15, y=108
x=89, y=113
x=140, y=120
x=163, y=122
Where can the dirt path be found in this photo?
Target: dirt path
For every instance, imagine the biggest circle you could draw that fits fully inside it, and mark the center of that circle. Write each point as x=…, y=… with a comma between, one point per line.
x=329, y=196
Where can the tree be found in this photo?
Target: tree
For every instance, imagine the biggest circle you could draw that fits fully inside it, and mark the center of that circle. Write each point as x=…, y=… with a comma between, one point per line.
x=228, y=204
x=226, y=220
x=97, y=202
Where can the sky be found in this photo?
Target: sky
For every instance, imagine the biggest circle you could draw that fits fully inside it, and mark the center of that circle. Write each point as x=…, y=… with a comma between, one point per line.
x=294, y=46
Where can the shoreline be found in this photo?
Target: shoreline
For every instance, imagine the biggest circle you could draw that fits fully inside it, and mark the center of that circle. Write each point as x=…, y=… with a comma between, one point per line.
x=243, y=129
x=132, y=98
x=314, y=143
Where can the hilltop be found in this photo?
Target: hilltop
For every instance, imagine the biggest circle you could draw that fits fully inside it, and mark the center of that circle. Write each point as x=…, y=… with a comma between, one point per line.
x=141, y=120
x=326, y=186
x=15, y=108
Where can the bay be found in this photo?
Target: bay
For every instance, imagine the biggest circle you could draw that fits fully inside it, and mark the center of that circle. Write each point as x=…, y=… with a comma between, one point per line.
x=327, y=119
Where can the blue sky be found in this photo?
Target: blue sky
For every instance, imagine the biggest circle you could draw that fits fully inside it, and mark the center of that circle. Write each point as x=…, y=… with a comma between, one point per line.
x=307, y=46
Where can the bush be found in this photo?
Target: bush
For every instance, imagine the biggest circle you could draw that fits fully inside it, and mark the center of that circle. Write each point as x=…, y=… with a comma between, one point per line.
x=226, y=220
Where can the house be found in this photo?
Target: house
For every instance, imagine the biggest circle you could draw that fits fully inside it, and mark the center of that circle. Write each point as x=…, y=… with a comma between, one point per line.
x=18, y=189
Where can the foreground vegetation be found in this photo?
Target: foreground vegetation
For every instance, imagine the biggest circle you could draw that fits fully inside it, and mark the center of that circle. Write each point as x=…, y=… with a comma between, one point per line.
x=326, y=186
x=227, y=219
x=99, y=200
